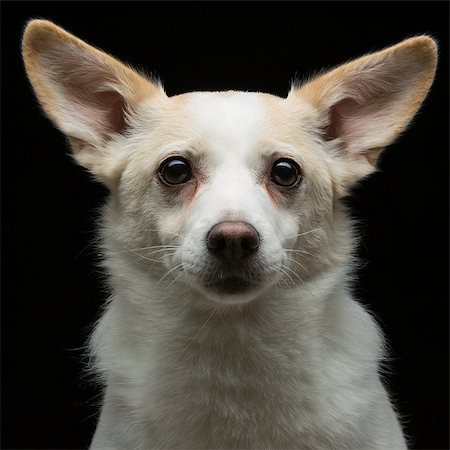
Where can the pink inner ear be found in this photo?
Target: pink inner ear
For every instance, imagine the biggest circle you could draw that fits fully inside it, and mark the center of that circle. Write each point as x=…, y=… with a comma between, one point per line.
x=339, y=113
x=96, y=113
x=112, y=105
x=359, y=124
x=88, y=87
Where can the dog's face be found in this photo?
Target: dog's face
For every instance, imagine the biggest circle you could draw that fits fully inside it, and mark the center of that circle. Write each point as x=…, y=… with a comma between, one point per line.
x=228, y=192
x=233, y=186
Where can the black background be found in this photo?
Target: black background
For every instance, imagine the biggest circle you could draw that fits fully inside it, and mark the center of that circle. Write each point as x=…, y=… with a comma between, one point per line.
x=51, y=290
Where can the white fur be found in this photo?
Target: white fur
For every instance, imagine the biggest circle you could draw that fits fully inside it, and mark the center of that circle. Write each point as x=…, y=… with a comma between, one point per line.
x=297, y=367
x=292, y=362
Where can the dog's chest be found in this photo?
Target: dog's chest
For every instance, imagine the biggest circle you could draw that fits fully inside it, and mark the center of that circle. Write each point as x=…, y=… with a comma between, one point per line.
x=232, y=388
x=242, y=383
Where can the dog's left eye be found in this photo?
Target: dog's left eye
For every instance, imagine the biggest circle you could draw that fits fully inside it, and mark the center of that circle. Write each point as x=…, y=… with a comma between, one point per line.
x=286, y=173
x=174, y=171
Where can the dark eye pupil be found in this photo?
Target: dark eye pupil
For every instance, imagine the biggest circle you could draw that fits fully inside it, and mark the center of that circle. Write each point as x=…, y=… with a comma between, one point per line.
x=175, y=171
x=285, y=173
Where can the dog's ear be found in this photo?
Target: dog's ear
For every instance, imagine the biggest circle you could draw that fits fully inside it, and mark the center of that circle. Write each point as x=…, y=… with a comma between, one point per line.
x=89, y=95
x=364, y=105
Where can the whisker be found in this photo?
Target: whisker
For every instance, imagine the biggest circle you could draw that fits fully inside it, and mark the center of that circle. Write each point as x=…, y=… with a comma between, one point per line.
x=165, y=251
x=148, y=259
x=306, y=232
x=300, y=252
x=295, y=273
x=298, y=263
x=146, y=248
x=284, y=281
x=292, y=281
x=170, y=271
x=170, y=232
x=175, y=279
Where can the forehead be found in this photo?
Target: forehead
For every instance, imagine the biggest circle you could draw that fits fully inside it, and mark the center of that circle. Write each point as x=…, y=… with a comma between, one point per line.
x=217, y=110
x=228, y=120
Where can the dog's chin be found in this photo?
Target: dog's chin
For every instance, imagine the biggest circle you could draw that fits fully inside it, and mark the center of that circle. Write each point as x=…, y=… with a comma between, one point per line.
x=232, y=289
x=231, y=285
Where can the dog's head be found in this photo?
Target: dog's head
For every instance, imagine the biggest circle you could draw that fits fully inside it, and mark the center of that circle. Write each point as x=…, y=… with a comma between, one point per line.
x=228, y=192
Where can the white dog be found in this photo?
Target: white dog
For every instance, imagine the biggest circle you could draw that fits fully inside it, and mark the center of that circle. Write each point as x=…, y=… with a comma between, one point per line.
x=229, y=252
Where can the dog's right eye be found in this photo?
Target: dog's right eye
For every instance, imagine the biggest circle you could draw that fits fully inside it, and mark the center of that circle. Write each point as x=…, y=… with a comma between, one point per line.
x=174, y=171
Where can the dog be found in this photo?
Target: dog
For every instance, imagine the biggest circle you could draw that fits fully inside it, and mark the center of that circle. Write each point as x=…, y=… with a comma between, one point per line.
x=228, y=250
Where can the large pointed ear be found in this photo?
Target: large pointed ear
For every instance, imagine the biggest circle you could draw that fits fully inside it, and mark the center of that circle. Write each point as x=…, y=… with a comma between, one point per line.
x=364, y=105
x=89, y=95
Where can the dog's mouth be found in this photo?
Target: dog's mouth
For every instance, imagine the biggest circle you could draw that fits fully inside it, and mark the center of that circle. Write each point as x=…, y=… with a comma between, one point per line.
x=230, y=285
x=226, y=283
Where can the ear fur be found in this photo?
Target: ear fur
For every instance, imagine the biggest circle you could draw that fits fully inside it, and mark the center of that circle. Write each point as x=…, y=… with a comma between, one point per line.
x=365, y=104
x=89, y=95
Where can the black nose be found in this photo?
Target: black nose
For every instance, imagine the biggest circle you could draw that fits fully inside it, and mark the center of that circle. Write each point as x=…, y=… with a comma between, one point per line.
x=232, y=241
